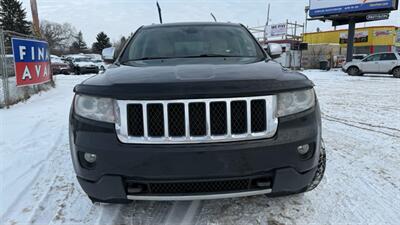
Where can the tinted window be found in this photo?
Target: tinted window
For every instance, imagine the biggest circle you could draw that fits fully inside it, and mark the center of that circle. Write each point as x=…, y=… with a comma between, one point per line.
x=388, y=56
x=192, y=41
x=359, y=57
x=372, y=58
x=82, y=60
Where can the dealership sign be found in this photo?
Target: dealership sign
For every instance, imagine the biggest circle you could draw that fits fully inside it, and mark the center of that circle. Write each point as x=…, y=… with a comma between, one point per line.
x=32, y=61
x=333, y=7
x=276, y=30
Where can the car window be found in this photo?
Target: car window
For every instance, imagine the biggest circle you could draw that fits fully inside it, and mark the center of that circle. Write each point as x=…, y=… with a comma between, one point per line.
x=388, y=56
x=192, y=41
x=372, y=58
x=82, y=60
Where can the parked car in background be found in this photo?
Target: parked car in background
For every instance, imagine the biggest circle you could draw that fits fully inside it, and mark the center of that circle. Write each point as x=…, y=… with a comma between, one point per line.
x=381, y=63
x=59, y=66
x=98, y=60
x=100, y=64
x=83, y=64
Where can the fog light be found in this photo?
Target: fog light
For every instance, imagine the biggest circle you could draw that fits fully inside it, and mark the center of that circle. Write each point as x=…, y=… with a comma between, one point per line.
x=303, y=149
x=89, y=157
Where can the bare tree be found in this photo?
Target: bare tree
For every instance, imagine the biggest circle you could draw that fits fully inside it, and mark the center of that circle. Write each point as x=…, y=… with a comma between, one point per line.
x=59, y=36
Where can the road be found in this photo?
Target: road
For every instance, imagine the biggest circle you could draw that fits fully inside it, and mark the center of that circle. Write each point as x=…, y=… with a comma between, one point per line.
x=361, y=128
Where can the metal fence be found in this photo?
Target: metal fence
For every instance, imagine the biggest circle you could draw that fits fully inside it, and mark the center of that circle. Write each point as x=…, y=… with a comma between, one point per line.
x=9, y=92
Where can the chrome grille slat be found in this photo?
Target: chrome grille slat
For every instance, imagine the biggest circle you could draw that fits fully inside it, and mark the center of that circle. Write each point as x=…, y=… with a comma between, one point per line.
x=145, y=128
x=165, y=111
x=270, y=130
x=187, y=126
x=248, y=108
x=208, y=120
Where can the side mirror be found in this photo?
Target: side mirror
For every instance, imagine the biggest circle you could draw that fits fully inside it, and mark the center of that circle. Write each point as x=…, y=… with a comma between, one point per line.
x=108, y=54
x=275, y=50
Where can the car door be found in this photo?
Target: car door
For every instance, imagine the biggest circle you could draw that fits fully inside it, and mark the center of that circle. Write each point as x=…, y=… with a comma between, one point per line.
x=388, y=62
x=371, y=64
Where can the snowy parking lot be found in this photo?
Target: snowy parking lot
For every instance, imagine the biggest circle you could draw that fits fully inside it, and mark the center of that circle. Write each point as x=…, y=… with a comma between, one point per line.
x=361, y=128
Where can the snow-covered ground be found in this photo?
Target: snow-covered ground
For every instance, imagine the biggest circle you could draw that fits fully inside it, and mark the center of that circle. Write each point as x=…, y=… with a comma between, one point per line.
x=361, y=121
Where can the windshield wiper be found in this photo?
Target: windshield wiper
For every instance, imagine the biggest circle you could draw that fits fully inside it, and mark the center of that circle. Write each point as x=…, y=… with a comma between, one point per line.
x=190, y=56
x=144, y=58
x=213, y=55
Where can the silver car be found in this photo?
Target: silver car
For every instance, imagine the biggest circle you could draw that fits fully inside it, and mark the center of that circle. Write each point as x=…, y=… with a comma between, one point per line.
x=380, y=63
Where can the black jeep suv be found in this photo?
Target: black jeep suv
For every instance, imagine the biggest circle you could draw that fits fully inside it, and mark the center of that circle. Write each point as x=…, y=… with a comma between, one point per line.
x=195, y=111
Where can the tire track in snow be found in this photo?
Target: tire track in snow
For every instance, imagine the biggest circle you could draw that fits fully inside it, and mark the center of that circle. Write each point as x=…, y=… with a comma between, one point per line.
x=27, y=187
x=37, y=213
x=183, y=212
x=20, y=197
x=361, y=123
x=348, y=123
x=145, y=212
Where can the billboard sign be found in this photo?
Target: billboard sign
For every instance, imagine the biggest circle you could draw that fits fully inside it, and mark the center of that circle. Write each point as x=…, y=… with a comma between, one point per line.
x=31, y=61
x=276, y=30
x=334, y=7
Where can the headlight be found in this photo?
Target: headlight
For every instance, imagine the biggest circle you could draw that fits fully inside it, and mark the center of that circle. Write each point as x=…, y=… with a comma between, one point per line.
x=100, y=109
x=294, y=102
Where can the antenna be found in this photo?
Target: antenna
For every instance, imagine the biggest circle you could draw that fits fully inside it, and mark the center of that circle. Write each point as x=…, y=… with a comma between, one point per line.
x=159, y=12
x=213, y=17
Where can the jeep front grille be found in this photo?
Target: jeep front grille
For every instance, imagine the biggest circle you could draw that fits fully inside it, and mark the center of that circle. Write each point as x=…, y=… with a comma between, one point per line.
x=196, y=120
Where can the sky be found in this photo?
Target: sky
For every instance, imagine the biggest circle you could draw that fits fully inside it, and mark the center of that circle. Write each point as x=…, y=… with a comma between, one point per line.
x=121, y=17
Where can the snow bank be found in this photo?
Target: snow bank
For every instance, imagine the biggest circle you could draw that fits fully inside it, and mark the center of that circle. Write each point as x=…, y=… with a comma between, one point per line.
x=361, y=128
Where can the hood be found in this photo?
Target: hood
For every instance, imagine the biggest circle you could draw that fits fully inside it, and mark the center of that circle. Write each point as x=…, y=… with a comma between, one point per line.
x=187, y=79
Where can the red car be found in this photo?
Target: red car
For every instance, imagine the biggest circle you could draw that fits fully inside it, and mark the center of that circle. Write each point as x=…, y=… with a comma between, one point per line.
x=58, y=66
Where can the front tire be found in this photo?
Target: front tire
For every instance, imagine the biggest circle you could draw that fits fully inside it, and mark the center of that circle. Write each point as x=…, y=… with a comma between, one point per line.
x=353, y=71
x=319, y=174
x=77, y=71
x=396, y=72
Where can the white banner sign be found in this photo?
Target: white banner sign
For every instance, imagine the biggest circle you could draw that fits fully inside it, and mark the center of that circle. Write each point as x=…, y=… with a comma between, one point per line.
x=275, y=30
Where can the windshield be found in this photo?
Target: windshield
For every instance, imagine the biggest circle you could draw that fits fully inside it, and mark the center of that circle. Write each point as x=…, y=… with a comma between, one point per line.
x=191, y=41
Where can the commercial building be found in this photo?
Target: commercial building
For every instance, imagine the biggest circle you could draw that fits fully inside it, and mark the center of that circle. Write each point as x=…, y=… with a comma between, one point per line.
x=368, y=40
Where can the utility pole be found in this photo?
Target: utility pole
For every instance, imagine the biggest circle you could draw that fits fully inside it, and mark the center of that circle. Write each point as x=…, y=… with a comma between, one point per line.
x=307, y=9
x=266, y=24
x=159, y=12
x=35, y=18
x=269, y=8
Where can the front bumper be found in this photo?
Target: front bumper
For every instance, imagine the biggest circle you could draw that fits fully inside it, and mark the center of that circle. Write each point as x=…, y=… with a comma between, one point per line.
x=273, y=162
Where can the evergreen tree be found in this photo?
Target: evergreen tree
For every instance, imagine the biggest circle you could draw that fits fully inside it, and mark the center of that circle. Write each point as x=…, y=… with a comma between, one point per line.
x=119, y=45
x=102, y=42
x=13, y=17
x=79, y=44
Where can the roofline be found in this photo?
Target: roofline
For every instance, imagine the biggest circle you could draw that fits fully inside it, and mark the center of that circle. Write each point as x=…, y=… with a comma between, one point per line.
x=206, y=23
x=359, y=28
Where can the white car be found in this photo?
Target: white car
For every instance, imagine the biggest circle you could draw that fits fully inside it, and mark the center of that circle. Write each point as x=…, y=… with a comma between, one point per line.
x=100, y=63
x=383, y=63
x=84, y=65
